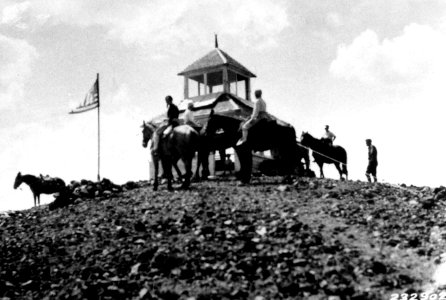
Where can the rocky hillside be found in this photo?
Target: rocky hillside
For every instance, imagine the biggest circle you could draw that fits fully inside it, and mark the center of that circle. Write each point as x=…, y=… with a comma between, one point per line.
x=316, y=239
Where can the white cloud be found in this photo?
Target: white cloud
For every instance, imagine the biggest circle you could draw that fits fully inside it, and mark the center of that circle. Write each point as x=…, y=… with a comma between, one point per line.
x=415, y=56
x=164, y=26
x=15, y=68
x=334, y=19
x=15, y=14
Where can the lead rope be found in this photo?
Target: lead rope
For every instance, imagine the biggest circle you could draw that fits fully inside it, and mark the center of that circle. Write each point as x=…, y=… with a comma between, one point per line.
x=300, y=145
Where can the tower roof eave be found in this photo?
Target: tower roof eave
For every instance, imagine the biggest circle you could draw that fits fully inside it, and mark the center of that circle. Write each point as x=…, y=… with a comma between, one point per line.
x=215, y=58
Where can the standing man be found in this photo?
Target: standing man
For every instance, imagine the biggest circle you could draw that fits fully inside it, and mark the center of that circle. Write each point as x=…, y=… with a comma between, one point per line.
x=329, y=136
x=373, y=161
x=169, y=123
x=258, y=113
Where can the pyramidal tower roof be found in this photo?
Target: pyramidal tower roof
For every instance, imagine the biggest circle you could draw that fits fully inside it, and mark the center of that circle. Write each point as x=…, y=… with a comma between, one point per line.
x=216, y=58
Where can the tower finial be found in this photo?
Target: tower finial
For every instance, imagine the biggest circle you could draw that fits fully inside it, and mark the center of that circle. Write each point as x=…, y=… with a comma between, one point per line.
x=216, y=41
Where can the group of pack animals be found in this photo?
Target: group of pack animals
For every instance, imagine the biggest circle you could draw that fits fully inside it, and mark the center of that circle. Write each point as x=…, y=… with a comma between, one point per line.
x=219, y=133
x=222, y=132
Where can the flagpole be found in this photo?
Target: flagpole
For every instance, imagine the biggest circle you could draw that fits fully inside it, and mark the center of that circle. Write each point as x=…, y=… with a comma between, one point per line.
x=99, y=131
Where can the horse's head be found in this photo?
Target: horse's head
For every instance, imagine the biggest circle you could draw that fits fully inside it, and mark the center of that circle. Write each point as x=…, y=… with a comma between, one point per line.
x=305, y=137
x=18, y=180
x=147, y=131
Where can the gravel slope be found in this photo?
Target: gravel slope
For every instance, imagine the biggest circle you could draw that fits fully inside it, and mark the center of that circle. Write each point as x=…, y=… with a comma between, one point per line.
x=316, y=239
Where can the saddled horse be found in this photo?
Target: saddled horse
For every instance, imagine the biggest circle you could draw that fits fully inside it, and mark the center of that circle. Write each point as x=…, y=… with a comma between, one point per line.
x=325, y=153
x=40, y=185
x=265, y=135
x=181, y=143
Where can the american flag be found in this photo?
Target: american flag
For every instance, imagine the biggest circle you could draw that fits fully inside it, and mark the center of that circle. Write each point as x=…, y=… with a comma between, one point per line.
x=91, y=100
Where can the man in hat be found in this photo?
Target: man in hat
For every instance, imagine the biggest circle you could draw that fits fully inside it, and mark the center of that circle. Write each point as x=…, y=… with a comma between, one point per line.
x=169, y=123
x=329, y=136
x=373, y=161
x=258, y=113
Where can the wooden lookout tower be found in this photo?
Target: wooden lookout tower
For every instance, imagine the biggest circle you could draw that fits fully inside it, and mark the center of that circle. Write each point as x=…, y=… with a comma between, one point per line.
x=214, y=74
x=219, y=82
x=216, y=82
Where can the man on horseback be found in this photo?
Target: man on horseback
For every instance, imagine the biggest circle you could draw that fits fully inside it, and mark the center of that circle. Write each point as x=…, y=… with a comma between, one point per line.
x=169, y=124
x=258, y=113
x=328, y=137
x=189, y=118
x=373, y=161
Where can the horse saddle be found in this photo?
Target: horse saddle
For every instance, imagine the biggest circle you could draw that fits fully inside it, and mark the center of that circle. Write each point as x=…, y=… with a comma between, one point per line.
x=48, y=180
x=167, y=131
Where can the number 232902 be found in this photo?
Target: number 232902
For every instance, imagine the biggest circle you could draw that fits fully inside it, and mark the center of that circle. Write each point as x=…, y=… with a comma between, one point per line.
x=422, y=296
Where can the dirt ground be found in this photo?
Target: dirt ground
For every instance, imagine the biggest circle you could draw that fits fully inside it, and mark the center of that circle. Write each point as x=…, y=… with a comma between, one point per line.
x=314, y=239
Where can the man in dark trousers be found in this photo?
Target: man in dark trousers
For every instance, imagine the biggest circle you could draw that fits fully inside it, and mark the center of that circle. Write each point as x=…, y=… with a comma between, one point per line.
x=373, y=161
x=169, y=124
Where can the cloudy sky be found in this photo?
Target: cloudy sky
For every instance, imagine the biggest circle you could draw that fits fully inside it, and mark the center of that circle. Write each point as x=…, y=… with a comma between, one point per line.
x=368, y=68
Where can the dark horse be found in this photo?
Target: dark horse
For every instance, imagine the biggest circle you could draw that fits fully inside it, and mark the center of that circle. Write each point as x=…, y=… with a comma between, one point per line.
x=265, y=135
x=324, y=153
x=40, y=186
x=269, y=167
x=180, y=143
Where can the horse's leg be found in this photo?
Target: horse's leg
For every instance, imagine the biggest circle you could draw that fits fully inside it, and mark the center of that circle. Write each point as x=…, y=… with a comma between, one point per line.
x=222, y=153
x=204, y=164
x=345, y=171
x=167, y=166
x=338, y=167
x=35, y=199
x=188, y=165
x=307, y=161
x=175, y=166
x=203, y=160
x=245, y=158
x=196, y=174
x=156, y=165
x=321, y=170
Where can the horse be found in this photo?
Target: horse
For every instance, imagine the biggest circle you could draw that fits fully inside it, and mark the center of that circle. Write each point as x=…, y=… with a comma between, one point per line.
x=303, y=154
x=325, y=153
x=180, y=143
x=203, y=155
x=40, y=186
x=265, y=135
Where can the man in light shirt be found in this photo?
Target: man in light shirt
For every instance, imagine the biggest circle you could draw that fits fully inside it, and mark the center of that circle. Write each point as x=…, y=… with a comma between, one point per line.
x=258, y=113
x=329, y=136
x=189, y=118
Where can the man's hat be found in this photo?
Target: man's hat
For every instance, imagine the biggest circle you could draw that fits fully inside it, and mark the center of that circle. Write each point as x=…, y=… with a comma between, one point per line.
x=368, y=140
